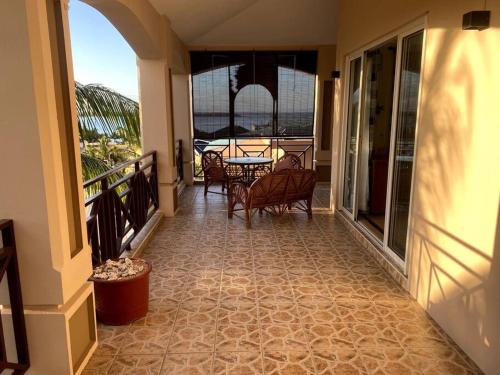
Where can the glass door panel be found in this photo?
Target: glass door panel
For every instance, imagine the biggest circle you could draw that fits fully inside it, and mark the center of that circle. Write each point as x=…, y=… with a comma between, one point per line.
x=352, y=134
x=375, y=136
x=405, y=142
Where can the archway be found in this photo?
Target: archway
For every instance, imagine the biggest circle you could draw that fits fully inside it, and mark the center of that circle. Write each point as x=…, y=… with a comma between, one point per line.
x=253, y=111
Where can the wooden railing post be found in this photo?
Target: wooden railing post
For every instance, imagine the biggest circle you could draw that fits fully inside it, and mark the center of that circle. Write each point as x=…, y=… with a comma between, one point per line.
x=180, y=161
x=107, y=223
x=8, y=263
x=154, y=181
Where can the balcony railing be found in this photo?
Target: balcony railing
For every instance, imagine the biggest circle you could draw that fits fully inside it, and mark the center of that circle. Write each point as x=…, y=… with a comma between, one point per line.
x=272, y=147
x=124, y=199
x=179, y=160
x=8, y=265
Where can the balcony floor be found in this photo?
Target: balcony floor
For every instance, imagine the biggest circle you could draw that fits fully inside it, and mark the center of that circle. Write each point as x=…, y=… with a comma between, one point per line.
x=290, y=296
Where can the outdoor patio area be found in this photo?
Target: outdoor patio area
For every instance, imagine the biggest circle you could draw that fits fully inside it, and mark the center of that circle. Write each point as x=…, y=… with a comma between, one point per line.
x=290, y=296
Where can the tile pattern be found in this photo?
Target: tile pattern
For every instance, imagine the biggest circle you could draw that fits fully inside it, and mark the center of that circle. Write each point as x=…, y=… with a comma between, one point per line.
x=291, y=296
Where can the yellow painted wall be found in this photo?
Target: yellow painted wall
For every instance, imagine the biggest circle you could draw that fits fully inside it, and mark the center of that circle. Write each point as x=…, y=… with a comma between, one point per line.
x=454, y=267
x=177, y=53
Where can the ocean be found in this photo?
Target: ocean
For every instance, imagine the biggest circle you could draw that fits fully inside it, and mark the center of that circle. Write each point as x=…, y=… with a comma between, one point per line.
x=252, y=122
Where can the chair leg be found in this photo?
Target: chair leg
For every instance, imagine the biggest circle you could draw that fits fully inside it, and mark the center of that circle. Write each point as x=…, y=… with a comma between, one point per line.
x=206, y=187
x=230, y=206
x=309, y=208
x=248, y=218
x=261, y=211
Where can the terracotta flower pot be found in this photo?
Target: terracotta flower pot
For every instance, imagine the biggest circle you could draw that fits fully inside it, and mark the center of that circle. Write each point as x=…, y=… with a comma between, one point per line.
x=120, y=302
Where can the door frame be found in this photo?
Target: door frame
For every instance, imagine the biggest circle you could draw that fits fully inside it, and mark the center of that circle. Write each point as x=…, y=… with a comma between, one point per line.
x=345, y=118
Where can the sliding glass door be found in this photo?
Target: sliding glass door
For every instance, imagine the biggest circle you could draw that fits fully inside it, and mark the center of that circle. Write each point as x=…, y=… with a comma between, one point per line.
x=375, y=136
x=405, y=142
x=381, y=116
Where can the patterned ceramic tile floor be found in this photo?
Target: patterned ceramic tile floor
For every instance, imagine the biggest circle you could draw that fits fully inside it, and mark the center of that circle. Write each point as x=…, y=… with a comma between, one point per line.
x=291, y=296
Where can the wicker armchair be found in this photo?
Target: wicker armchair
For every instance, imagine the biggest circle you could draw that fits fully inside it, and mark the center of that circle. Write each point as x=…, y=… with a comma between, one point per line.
x=213, y=170
x=288, y=161
x=274, y=192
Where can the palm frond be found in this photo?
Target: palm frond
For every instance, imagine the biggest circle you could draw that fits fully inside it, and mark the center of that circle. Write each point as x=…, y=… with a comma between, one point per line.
x=108, y=112
x=92, y=166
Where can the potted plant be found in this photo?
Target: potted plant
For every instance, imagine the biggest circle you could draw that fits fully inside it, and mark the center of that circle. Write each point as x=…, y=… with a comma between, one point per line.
x=121, y=290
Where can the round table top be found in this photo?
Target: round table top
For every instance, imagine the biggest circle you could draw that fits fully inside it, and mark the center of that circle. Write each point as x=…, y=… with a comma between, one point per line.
x=249, y=160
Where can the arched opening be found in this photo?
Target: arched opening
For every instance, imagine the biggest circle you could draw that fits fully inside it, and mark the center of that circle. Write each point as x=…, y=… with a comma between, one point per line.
x=105, y=71
x=253, y=111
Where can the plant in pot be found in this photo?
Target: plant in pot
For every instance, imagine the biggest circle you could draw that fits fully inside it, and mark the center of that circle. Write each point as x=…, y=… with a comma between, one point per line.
x=121, y=290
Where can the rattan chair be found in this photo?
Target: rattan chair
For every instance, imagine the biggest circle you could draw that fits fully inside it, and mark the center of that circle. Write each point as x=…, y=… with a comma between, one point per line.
x=213, y=170
x=291, y=159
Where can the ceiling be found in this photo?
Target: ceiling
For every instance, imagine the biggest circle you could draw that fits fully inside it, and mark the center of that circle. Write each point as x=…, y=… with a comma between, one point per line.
x=251, y=22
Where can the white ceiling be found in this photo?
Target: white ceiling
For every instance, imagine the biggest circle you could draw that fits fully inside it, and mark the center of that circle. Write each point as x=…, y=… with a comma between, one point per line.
x=251, y=22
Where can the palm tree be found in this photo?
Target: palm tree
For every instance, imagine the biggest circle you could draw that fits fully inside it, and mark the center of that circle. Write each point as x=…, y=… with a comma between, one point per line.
x=105, y=115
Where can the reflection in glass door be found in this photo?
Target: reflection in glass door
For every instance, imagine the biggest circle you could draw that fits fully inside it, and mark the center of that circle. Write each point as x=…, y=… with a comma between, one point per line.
x=380, y=65
x=352, y=134
x=405, y=142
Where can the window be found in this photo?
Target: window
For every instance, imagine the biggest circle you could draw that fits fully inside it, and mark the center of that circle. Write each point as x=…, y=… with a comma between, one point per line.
x=211, y=100
x=295, y=102
x=253, y=94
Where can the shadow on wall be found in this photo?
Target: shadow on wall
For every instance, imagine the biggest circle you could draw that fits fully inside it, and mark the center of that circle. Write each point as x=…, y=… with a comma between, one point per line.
x=457, y=272
x=491, y=320
x=462, y=293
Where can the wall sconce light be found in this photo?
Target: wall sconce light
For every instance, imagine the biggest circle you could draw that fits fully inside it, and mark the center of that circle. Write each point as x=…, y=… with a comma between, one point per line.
x=335, y=74
x=476, y=20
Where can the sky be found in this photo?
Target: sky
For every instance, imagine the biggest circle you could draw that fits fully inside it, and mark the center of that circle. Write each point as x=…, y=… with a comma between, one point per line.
x=100, y=54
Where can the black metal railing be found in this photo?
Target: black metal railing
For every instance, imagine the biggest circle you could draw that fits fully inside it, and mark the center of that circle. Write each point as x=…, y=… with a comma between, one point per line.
x=179, y=160
x=9, y=266
x=272, y=147
x=124, y=200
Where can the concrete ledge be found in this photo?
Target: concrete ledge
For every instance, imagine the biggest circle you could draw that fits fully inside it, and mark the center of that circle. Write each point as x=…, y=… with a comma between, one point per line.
x=144, y=236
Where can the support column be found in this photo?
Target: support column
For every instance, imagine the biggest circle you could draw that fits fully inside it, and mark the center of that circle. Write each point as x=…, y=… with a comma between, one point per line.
x=157, y=126
x=41, y=187
x=182, y=122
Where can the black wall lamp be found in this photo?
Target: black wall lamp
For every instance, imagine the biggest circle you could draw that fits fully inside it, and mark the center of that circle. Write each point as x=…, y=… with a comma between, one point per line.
x=476, y=20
